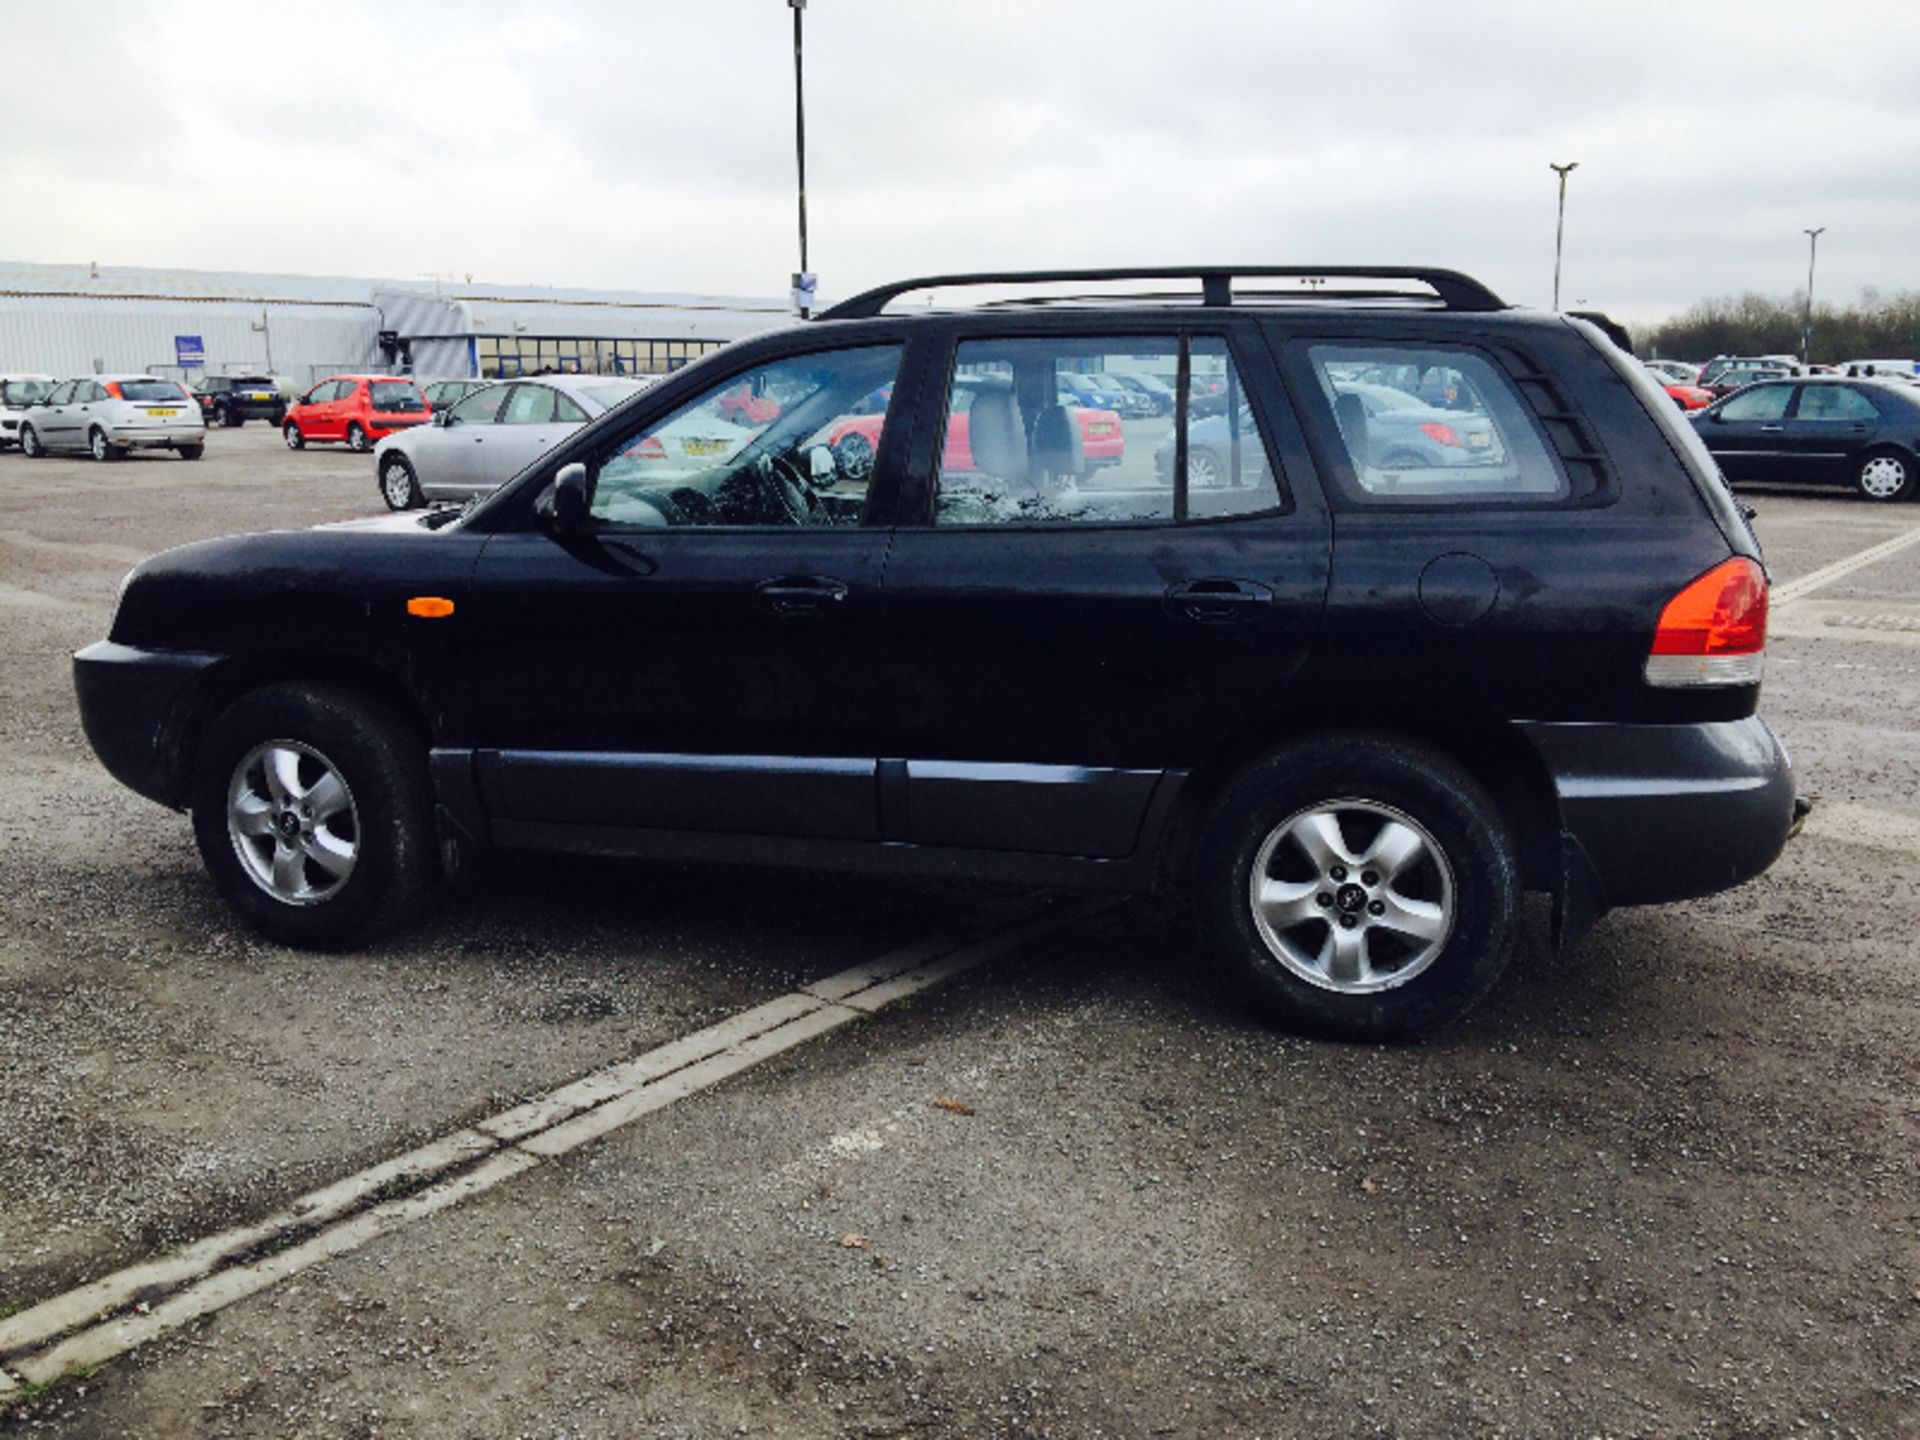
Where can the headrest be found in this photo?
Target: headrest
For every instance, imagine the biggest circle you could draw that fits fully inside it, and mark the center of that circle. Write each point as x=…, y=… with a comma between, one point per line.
x=996, y=436
x=1058, y=448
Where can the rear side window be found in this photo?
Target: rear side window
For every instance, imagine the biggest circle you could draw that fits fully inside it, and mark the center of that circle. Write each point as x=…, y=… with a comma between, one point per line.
x=1433, y=424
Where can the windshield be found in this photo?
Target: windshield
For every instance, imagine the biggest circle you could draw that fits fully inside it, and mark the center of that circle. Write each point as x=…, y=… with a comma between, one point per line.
x=22, y=393
x=149, y=390
x=397, y=395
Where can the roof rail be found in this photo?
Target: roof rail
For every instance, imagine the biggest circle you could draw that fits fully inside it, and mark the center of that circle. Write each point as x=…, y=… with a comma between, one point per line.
x=1453, y=290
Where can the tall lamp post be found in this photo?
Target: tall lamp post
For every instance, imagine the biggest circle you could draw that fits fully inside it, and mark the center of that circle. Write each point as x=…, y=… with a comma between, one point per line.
x=1560, y=229
x=1806, y=328
x=803, y=278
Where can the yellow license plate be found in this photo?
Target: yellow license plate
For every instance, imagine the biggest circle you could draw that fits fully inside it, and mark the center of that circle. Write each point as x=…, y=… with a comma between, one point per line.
x=1476, y=440
x=1100, y=429
x=163, y=414
x=705, y=447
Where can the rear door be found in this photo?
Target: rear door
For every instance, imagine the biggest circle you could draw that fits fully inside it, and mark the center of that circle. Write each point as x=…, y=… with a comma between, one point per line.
x=1827, y=432
x=1061, y=633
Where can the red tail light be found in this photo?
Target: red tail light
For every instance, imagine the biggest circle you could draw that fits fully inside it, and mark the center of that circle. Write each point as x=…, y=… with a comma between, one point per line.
x=1714, y=632
x=651, y=449
x=1441, y=434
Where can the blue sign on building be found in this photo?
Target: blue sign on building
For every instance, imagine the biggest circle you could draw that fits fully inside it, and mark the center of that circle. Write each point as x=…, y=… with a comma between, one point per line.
x=189, y=351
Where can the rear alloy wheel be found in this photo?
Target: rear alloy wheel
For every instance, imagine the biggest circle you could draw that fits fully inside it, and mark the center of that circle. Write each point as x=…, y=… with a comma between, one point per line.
x=1885, y=475
x=398, y=487
x=313, y=814
x=295, y=440
x=98, y=447
x=30, y=445
x=1363, y=888
x=1203, y=468
x=357, y=439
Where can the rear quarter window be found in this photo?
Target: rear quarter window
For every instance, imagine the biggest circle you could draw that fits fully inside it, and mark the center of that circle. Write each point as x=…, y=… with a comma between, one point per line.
x=1432, y=424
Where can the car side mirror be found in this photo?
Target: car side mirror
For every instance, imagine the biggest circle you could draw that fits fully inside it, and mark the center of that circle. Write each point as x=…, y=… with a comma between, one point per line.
x=564, y=505
x=443, y=418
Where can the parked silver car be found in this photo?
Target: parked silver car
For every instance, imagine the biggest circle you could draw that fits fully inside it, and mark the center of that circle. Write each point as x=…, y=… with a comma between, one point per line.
x=492, y=435
x=19, y=394
x=108, y=415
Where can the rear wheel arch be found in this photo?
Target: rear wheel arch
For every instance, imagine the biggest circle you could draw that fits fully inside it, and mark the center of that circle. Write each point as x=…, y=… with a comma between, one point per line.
x=1494, y=752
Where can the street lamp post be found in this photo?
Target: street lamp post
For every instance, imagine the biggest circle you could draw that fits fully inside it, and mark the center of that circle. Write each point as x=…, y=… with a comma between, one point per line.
x=1560, y=229
x=803, y=279
x=1806, y=328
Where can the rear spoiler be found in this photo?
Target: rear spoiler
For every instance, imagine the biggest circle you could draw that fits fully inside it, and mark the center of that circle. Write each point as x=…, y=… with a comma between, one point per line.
x=1607, y=325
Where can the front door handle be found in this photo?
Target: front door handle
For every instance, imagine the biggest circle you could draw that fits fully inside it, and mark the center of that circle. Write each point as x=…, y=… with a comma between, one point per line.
x=1220, y=602
x=800, y=594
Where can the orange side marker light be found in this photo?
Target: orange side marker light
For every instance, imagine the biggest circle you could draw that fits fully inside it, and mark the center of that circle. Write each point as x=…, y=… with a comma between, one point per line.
x=429, y=607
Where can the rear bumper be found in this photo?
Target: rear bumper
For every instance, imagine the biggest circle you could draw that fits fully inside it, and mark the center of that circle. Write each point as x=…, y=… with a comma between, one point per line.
x=1655, y=813
x=130, y=709
x=157, y=437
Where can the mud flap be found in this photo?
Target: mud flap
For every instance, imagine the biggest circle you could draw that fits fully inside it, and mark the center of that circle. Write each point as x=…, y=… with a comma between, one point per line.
x=1579, y=899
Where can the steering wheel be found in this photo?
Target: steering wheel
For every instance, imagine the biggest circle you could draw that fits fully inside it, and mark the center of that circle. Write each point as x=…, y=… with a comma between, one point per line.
x=787, y=492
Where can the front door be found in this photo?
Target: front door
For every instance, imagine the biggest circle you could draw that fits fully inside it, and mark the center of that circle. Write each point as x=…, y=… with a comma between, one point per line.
x=1747, y=434
x=454, y=455
x=59, y=422
x=699, y=655
x=1087, y=604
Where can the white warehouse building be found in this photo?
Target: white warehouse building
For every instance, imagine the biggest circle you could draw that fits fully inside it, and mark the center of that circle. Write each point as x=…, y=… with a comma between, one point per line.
x=87, y=319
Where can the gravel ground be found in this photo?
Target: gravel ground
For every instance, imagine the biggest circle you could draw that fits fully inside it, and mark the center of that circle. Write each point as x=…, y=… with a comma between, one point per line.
x=1670, y=1186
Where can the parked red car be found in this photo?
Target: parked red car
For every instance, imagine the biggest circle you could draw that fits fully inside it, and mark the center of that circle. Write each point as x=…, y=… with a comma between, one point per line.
x=1689, y=397
x=359, y=409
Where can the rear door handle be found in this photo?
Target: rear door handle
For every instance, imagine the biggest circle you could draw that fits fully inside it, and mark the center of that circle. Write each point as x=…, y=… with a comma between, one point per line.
x=800, y=594
x=1771, y=429
x=1220, y=602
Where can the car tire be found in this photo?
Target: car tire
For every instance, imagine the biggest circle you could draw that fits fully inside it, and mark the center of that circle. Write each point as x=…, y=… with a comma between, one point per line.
x=315, y=873
x=101, y=448
x=30, y=445
x=191, y=452
x=398, y=485
x=357, y=439
x=291, y=433
x=1885, y=475
x=1369, y=837
x=1204, y=470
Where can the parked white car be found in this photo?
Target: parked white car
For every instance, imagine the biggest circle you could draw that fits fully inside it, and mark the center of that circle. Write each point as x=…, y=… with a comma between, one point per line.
x=108, y=415
x=492, y=435
x=18, y=394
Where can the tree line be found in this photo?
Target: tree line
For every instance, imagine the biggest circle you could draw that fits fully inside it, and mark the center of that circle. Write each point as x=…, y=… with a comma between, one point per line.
x=1874, y=327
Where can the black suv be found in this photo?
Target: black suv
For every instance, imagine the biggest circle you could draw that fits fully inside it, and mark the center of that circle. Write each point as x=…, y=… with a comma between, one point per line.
x=1457, y=607
x=235, y=399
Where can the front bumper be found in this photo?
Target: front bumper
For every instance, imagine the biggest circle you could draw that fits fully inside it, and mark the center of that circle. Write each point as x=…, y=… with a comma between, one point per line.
x=131, y=709
x=1656, y=813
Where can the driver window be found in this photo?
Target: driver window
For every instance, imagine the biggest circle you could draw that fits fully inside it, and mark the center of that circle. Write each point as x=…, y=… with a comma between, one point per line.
x=482, y=407
x=791, y=443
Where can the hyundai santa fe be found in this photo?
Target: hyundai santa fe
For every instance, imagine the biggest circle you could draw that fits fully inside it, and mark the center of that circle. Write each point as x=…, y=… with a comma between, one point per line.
x=1355, y=699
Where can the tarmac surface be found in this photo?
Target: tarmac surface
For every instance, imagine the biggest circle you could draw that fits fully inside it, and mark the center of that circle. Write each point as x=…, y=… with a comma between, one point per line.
x=1669, y=1186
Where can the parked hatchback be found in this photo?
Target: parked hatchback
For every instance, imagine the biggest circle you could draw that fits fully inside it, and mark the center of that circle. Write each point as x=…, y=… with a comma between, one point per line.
x=1355, y=710
x=490, y=436
x=107, y=416
x=361, y=410
x=18, y=394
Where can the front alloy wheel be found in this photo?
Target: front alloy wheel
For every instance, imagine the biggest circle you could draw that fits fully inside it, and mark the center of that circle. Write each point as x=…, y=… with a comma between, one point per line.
x=291, y=433
x=397, y=484
x=357, y=439
x=292, y=822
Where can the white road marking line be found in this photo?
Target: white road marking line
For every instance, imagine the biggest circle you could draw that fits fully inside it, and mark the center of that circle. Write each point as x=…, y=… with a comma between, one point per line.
x=1799, y=589
x=110, y=1316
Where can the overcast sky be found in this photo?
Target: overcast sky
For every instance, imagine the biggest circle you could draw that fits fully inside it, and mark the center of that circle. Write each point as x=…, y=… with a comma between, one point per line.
x=650, y=145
